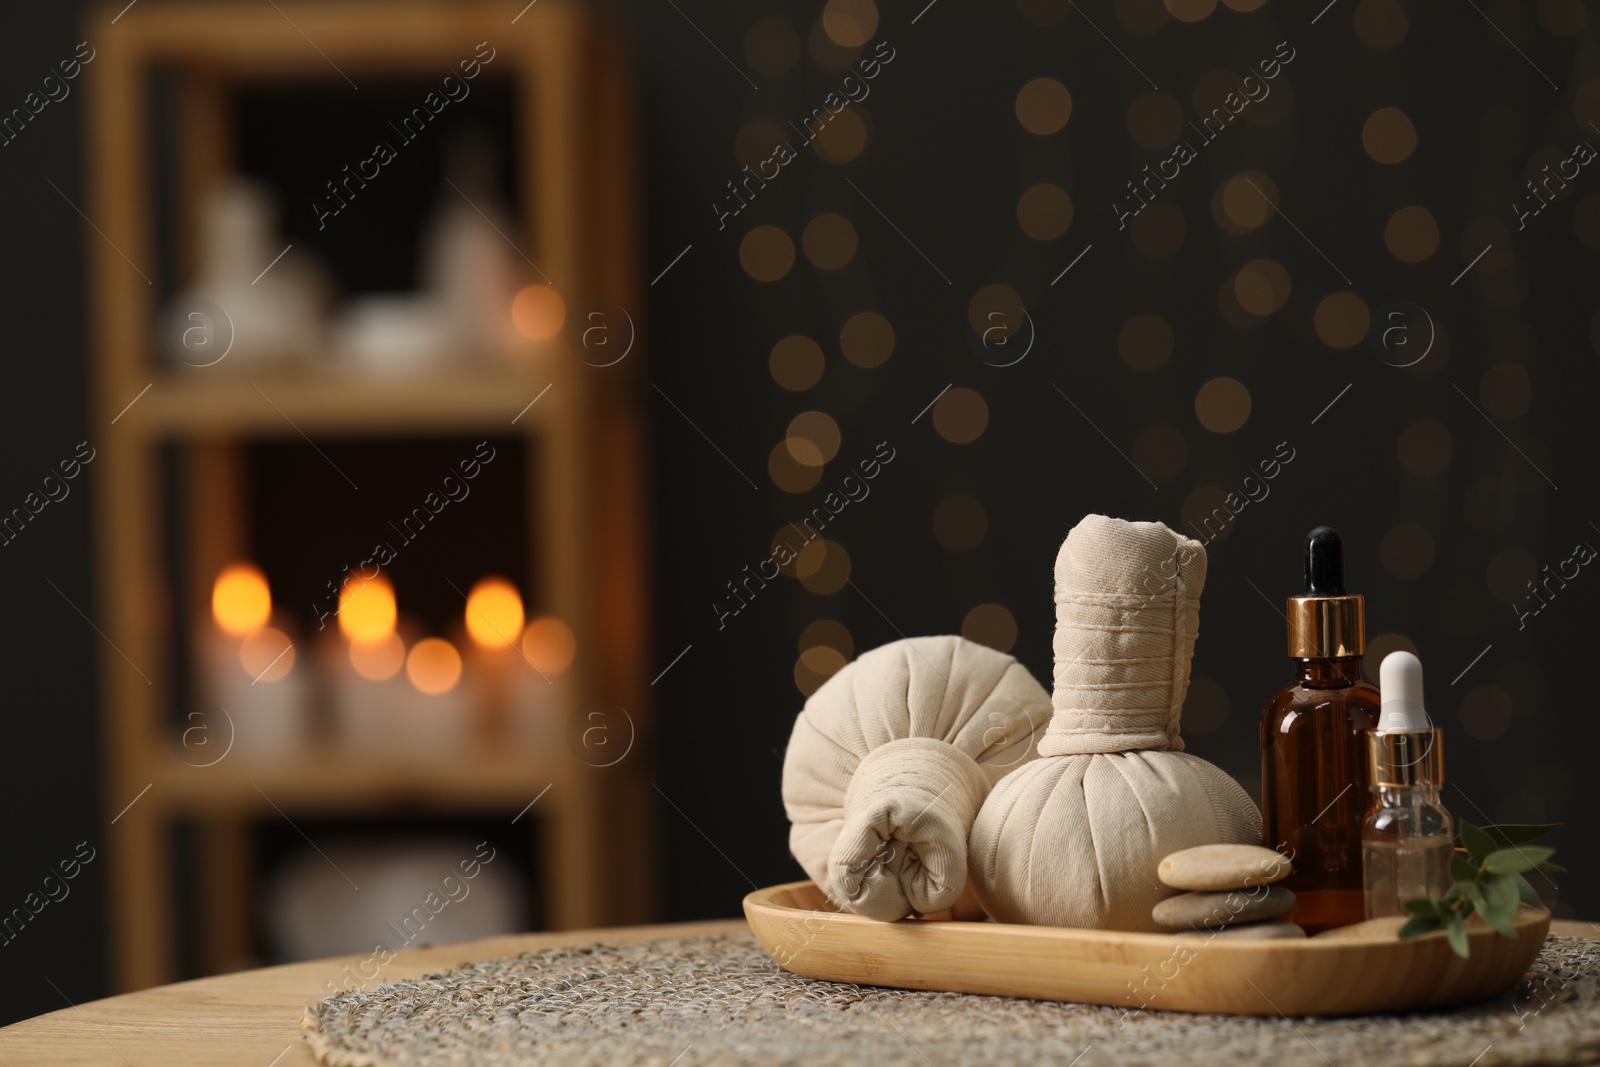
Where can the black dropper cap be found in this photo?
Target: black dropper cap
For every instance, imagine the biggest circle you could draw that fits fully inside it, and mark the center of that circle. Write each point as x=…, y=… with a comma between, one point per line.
x=1325, y=621
x=1324, y=562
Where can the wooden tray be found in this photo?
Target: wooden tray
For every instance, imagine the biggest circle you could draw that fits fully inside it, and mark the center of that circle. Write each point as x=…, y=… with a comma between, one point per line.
x=1359, y=971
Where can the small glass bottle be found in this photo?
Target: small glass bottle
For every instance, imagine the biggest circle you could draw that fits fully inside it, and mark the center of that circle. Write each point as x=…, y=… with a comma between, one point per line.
x=1313, y=767
x=1408, y=837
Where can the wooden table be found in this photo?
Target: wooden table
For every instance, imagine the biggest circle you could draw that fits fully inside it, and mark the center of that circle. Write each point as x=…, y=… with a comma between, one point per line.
x=247, y=1019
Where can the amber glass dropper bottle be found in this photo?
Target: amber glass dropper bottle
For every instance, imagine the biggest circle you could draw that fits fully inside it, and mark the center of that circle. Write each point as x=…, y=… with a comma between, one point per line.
x=1313, y=767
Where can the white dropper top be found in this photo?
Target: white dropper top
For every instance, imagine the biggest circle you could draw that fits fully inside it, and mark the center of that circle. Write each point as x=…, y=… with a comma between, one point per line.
x=1400, y=683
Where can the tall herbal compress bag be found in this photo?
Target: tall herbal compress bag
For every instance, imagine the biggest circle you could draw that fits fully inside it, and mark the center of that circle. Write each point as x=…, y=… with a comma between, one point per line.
x=1074, y=837
x=891, y=759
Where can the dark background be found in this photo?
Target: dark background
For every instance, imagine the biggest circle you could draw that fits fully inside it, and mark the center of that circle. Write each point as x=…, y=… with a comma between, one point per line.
x=946, y=161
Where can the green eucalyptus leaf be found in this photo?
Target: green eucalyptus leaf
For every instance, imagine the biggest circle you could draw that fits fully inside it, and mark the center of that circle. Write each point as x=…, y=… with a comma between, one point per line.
x=1418, y=925
x=1500, y=902
x=1462, y=869
x=1475, y=841
x=1425, y=908
x=1516, y=860
x=1507, y=834
x=1549, y=868
x=1456, y=930
x=1452, y=896
x=1526, y=893
x=1474, y=893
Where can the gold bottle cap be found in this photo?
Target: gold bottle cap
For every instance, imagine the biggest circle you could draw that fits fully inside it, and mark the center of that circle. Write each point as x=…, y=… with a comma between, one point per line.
x=1325, y=627
x=1405, y=757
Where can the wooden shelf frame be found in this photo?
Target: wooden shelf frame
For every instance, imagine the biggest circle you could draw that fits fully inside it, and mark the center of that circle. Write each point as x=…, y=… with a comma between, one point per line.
x=584, y=442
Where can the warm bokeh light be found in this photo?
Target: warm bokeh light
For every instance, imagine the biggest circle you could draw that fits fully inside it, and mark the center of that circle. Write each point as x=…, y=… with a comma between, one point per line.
x=434, y=666
x=867, y=339
x=1044, y=211
x=267, y=655
x=766, y=253
x=241, y=602
x=1222, y=405
x=1043, y=106
x=366, y=610
x=796, y=363
x=823, y=567
x=494, y=613
x=1342, y=320
x=788, y=473
x=831, y=633
x=378, y=660
x=549, y=644
x=1380, y=24
x=850, y=23
x=1191, y=10
x=829, y=241
x=813, y=438
x=844, y=138
x=1411, y=234
x=1261, y=286
x=960, y=415
x=1388, y=135
x=538, y=312
x=992, y=625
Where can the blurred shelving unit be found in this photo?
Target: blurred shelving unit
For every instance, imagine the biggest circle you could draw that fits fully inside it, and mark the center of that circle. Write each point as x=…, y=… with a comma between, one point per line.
x=583, y=450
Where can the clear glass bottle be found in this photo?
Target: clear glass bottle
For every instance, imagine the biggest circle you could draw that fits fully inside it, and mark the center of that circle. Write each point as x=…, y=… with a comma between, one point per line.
x=1408, y=837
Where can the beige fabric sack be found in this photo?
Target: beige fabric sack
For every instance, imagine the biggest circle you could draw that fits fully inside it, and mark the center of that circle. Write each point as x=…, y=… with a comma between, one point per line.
x=1074, y=838
x=889, y=762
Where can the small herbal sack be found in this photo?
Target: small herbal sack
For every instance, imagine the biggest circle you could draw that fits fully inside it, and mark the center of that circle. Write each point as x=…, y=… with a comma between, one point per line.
x=889, y=762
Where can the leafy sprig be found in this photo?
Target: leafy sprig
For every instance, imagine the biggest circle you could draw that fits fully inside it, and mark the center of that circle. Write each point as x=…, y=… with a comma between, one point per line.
x=1489, y=879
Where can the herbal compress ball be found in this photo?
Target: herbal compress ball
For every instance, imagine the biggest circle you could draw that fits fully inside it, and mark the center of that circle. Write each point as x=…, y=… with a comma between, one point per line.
x=889, y=762
x=1074, y=838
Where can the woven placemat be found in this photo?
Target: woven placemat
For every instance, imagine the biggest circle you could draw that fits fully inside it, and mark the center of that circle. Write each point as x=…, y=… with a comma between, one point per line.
x=689, y=1002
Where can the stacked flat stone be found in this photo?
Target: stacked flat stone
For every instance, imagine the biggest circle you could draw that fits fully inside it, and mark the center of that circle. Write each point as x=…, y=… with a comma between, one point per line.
x=1231, y=893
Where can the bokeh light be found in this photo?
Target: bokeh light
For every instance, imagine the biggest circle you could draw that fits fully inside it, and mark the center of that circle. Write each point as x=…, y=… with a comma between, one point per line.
x=267, y=654
x=992, y=625
x=1411, y=234
x=538, y=312
x=241, y=601
x=1044, y=212
x=796, y=363
x=766, y=253
x=960, y=415
x=378, y=660
x=829, y=241
x=367, y=609
x=1342, y=320
x=1043, y=106
x=850, y=23
x=548, y=644
x=494, y=613
x=1222, y=405
x=813, y=438
x=434, y=666
x=866, y=339
x=1388, y=135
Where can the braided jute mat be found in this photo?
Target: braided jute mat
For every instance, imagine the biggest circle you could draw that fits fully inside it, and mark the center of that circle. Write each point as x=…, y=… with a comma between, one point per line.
x=690, y=1002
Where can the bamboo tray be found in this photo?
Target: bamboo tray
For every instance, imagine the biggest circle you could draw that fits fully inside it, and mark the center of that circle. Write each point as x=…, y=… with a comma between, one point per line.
x=1352, y=973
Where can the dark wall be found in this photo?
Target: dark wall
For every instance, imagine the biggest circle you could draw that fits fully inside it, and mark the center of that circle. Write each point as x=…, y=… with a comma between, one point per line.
x=1441, y=548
